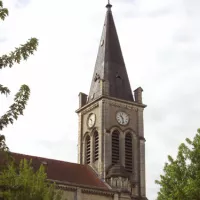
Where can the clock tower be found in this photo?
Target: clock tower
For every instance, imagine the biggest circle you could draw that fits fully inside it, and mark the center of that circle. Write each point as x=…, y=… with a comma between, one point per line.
x=111, y=134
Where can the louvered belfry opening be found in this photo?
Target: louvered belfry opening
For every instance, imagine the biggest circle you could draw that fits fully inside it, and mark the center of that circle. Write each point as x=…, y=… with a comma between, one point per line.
x=128, y=153
x=115, y=147
x=96, y=146
x=88, y=149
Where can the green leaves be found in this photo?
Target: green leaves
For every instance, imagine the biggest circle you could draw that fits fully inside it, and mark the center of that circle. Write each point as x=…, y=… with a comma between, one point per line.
x=21, y=98
x=3, y=11
x=16, y=108
x=181, y=179
x=4, y=90
x=22, y=183
x=3, y=146
x=23, y=52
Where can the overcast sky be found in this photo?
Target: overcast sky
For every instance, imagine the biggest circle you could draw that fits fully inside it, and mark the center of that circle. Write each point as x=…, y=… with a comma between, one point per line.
x=161, y=46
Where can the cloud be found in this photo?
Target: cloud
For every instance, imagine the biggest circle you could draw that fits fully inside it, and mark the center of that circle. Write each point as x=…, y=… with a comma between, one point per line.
x=3, y=39
x=22, y=3
x=159, y=12
x=65, y=149
x=161, y=43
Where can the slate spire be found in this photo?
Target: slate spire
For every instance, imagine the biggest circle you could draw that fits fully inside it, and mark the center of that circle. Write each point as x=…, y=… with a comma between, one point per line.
x=110, y=77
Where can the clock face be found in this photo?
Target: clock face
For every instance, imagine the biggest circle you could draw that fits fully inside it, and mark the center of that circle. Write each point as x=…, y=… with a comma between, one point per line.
x=122, y=118
x=91, y=120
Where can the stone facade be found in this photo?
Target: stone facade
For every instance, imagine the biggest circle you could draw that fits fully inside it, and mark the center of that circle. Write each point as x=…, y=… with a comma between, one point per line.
x=81, y=193
x=105, y=109
x=87, y=194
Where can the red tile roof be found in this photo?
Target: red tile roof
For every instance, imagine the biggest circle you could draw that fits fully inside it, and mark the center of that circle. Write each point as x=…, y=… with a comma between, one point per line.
x=65, y=172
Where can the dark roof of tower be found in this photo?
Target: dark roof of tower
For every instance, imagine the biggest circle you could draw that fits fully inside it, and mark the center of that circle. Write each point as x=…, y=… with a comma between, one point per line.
x=110, y=77
x=117, y=170
x=66, y=172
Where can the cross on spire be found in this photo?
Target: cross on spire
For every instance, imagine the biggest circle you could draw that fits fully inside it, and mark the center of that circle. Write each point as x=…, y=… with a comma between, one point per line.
x=108, y=5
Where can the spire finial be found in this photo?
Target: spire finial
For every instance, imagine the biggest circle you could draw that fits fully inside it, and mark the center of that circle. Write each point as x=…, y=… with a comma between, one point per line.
x=109, y=6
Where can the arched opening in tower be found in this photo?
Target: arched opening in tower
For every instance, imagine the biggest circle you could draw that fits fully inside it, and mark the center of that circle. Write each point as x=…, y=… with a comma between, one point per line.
x=88, y=149
x=96, y=146
x=128, y=153
x=115, y=147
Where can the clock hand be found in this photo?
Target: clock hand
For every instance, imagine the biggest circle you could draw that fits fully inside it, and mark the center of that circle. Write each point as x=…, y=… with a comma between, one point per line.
x=122, y=118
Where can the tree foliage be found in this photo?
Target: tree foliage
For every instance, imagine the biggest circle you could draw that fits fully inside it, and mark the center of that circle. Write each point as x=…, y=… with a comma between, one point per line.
x=22, y=96
x=3, y=11
x=181, y=179
x=20, y=182
x=23, y=183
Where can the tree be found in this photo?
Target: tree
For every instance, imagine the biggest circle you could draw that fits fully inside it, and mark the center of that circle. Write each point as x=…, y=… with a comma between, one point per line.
x=23, y=183
x=22, y=96
x=181, y=179
x=20, y=182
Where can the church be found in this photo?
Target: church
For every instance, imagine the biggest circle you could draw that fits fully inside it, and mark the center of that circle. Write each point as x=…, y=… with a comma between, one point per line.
x=111, y=143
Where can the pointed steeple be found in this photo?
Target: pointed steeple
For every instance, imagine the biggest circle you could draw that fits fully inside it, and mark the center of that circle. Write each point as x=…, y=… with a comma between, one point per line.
x=110, y=77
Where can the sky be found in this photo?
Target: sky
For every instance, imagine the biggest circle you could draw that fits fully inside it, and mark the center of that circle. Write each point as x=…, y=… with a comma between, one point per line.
x=160, y=41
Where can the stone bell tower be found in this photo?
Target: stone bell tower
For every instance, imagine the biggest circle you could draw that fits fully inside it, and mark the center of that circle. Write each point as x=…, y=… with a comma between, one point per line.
x=111, y=135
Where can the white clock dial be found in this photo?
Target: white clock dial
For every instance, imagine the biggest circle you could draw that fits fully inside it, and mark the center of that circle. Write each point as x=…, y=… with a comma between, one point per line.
x=122, y=118
x=91, y=120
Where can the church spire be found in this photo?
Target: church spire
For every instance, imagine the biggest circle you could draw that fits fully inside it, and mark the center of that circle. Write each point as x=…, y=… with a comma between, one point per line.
x=110, y=77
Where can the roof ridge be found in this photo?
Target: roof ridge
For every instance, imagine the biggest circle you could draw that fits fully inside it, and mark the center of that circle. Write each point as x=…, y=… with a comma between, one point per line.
x=51, y=159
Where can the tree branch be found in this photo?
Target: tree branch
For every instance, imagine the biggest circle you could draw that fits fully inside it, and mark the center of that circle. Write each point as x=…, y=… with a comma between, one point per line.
x=3, y=11
x=20, y=53
x=16, y=108
x=4, y=90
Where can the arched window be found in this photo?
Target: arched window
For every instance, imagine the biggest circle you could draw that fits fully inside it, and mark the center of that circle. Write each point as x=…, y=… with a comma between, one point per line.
x=88, y=149
x=115, y=147
x=128, y=153
x=96, y=146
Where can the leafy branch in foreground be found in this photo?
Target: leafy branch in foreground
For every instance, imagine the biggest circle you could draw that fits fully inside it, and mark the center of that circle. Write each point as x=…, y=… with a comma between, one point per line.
x=16, y=56
x=4, y=90
x=22, y=96
x=20, y=53
x=16, y=108
x=3, y=11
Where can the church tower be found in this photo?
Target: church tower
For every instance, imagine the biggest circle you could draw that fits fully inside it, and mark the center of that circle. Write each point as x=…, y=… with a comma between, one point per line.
x=111, y=135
